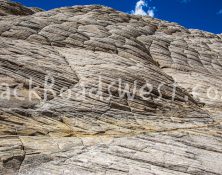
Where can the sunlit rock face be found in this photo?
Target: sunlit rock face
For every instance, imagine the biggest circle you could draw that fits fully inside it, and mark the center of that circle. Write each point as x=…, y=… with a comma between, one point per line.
x=91, y=90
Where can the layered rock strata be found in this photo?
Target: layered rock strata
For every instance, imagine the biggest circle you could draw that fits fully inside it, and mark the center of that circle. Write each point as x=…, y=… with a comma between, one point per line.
x=87, y=125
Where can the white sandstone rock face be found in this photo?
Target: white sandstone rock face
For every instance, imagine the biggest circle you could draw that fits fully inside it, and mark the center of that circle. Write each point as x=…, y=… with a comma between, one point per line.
x=89, y=54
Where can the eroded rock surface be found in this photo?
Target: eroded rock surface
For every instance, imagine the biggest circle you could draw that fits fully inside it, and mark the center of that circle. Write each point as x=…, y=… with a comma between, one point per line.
x=11, y=8
x=171, y=131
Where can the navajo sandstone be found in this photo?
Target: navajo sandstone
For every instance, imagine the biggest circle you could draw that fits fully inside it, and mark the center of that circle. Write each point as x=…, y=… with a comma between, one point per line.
x=85, y=134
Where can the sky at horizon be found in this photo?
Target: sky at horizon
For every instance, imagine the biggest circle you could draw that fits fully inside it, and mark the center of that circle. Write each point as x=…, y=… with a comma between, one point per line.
x=196, y=14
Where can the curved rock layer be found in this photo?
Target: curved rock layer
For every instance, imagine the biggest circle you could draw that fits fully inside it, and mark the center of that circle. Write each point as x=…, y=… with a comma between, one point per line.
x=12, y=8
x=90, y=49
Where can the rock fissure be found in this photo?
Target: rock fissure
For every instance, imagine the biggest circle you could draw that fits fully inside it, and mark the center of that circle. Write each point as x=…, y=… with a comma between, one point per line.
x=170, y=130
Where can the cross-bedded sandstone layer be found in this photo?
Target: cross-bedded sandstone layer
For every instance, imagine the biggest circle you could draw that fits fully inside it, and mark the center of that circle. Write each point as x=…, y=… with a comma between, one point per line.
x=172, y=131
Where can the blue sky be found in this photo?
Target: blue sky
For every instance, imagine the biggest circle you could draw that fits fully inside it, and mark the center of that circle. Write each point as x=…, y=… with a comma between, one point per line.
x=199, y=14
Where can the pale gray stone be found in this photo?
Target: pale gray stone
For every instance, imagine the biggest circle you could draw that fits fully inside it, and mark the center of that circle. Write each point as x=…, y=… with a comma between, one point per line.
x=87, y=134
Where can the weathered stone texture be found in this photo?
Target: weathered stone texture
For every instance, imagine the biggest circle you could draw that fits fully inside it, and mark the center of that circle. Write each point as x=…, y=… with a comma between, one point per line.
x=11, y=8
x=81, y=45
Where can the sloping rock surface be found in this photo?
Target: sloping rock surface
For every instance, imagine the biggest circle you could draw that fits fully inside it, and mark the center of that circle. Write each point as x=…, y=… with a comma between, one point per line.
x=87, y=53
x=12, y=8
